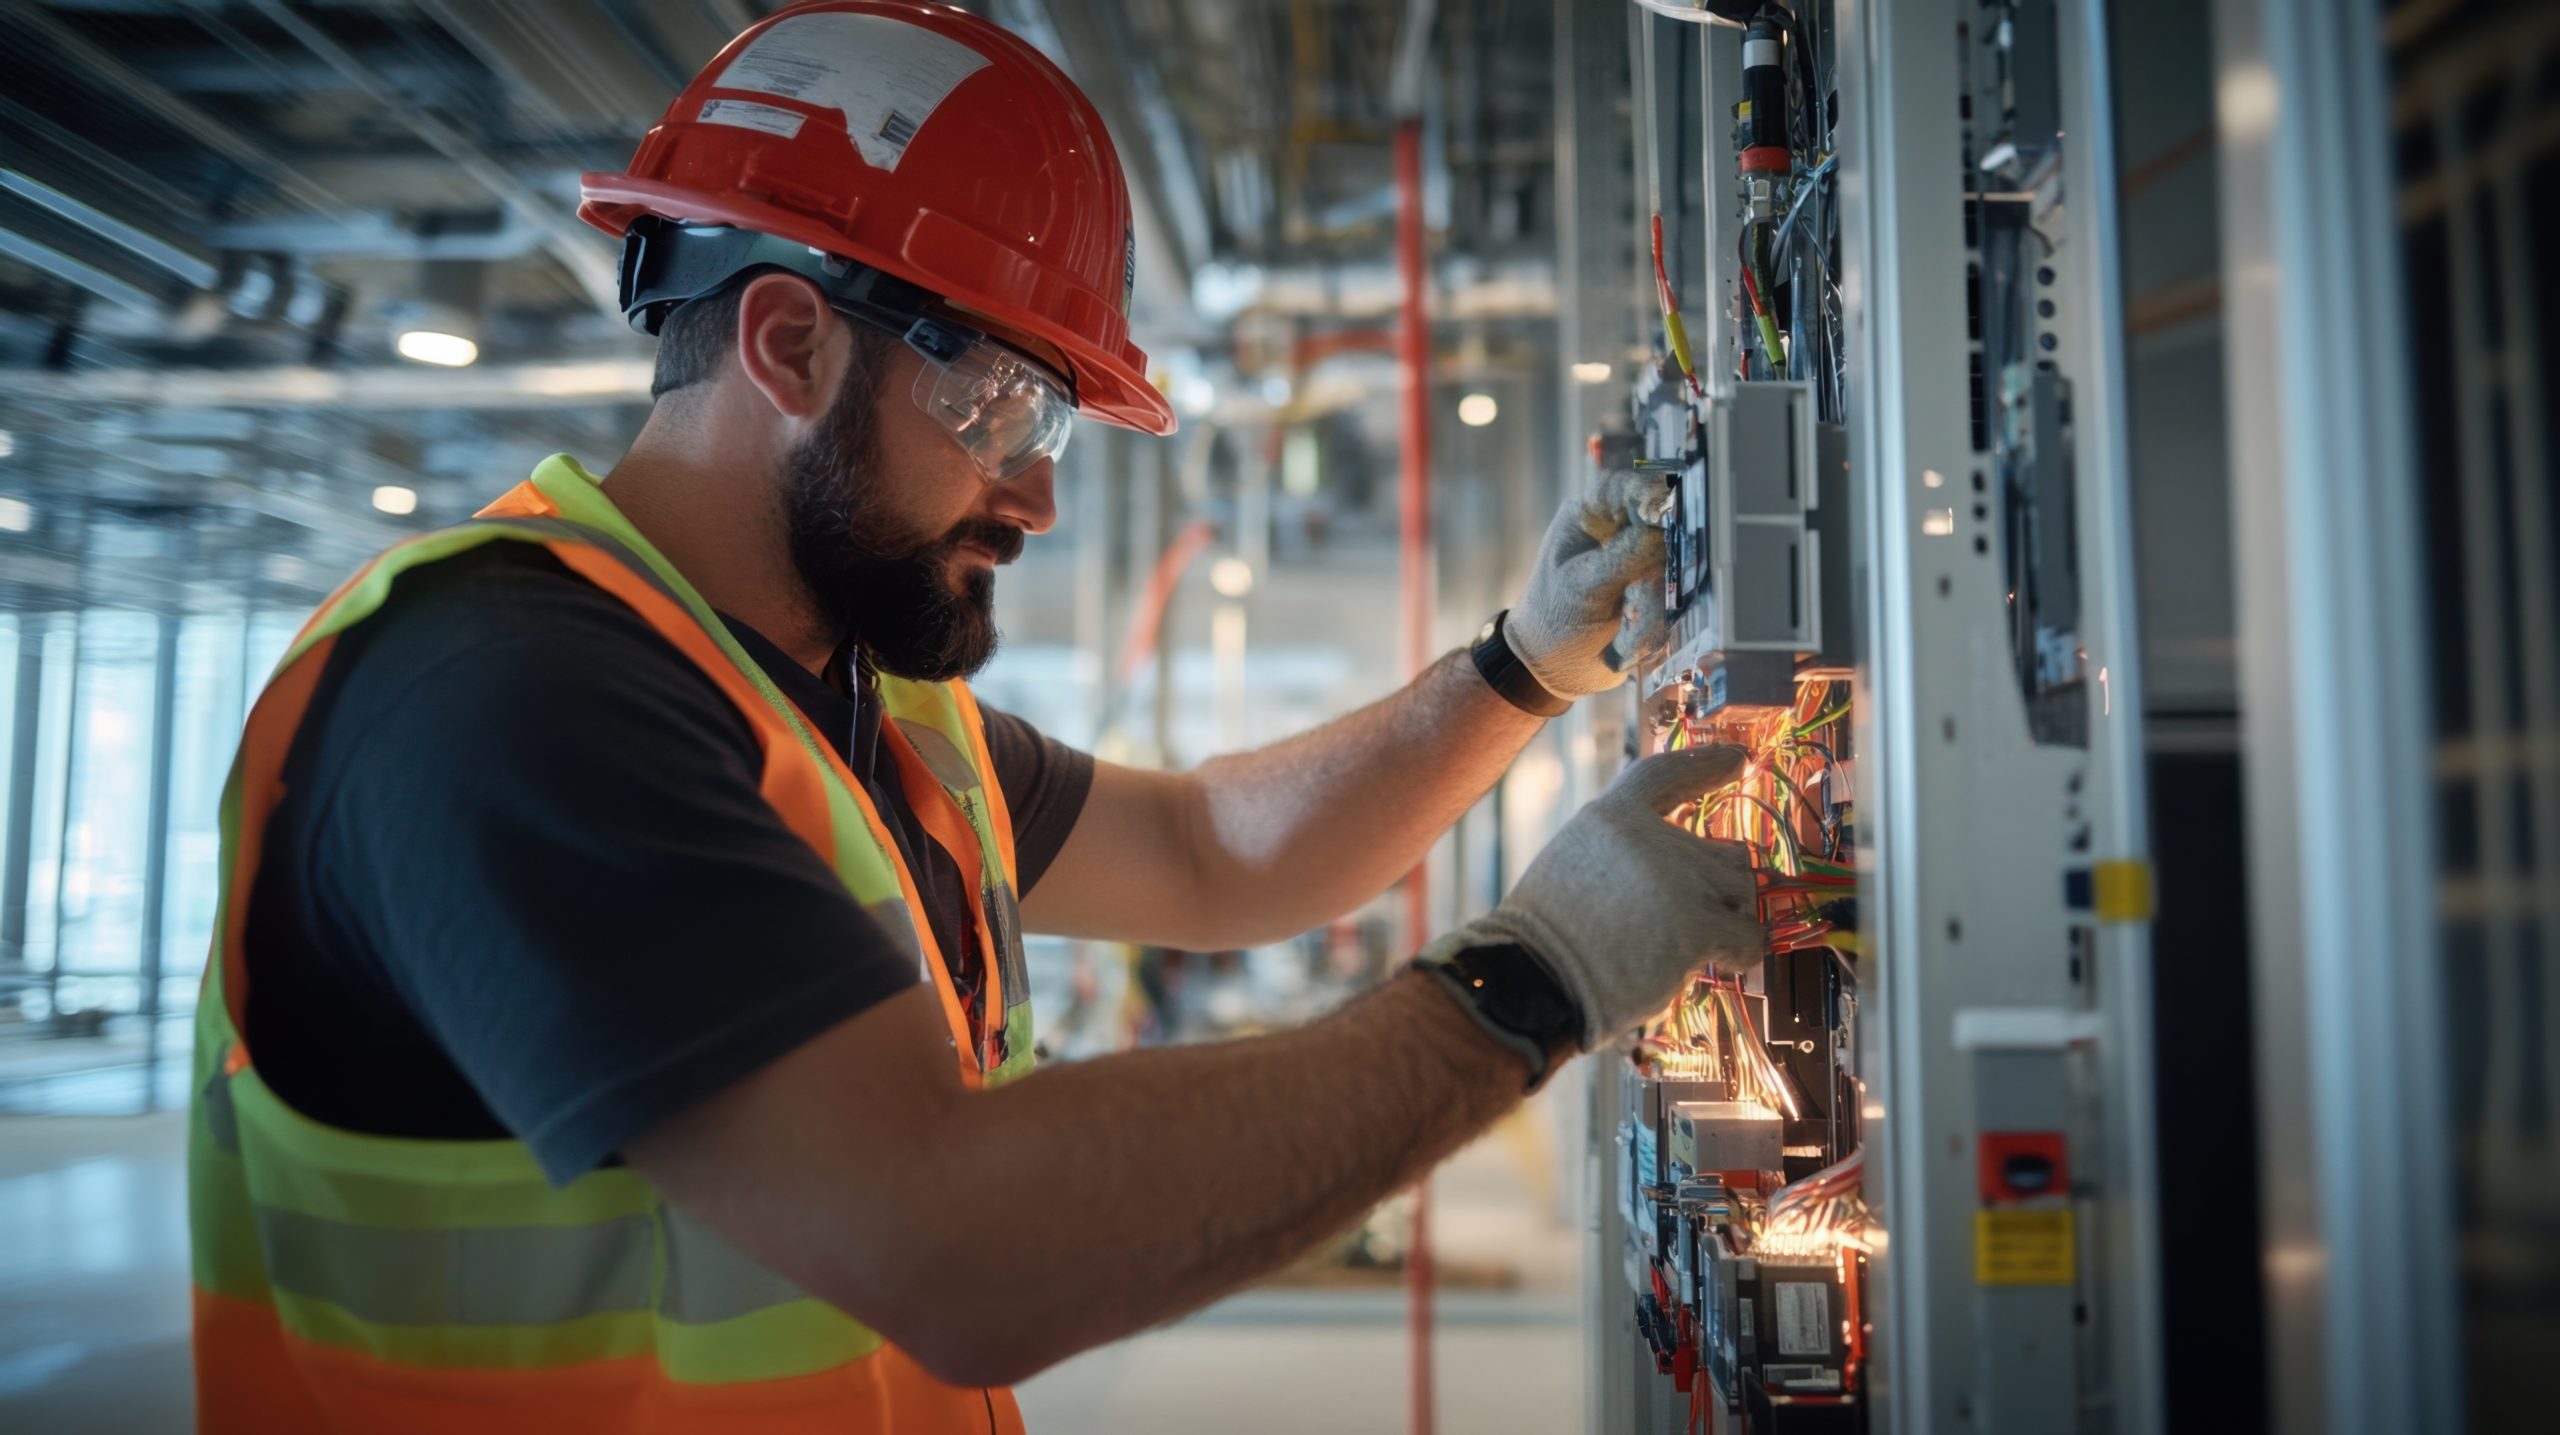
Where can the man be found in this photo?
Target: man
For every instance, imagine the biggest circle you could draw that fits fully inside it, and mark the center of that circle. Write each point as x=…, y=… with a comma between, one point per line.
x=623, y=896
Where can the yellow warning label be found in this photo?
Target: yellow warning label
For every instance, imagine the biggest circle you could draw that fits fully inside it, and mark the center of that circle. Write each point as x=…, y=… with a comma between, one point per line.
x=2122, y=890
x=2029, y=1247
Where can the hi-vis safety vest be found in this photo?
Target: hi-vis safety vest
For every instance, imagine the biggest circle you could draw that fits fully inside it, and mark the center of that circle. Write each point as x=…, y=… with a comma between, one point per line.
x=377, y=1286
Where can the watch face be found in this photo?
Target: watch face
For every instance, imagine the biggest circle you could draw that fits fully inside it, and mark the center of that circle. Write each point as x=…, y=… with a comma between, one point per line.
x=1485, y=633
x=1517, y=991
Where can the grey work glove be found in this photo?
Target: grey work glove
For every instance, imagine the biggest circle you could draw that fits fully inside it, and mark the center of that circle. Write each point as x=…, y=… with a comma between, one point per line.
x=1598, y=578
x=1622, y=905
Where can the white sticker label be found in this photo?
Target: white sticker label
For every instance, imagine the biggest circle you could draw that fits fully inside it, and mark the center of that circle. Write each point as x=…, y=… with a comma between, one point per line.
x=748, y=115
x=887, y=75
x=1804, y=1318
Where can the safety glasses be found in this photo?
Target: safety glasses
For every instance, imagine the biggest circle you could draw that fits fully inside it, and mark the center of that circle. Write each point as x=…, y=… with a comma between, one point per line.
x=1005, y=410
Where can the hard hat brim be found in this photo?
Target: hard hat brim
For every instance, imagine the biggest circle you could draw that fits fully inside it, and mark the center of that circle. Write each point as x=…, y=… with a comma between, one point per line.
x=959, y=263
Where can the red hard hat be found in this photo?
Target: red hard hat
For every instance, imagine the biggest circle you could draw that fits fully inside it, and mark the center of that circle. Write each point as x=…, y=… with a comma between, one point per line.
x=924, y=142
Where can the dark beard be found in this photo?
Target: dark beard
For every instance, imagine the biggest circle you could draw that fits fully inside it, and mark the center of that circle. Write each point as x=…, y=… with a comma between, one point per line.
x=882, y=589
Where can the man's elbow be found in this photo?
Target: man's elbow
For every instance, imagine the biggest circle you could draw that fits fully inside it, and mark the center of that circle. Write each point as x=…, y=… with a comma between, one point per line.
x=960, y=1340
x=921, y=1299
x=1215, y=925
x=971, y=1350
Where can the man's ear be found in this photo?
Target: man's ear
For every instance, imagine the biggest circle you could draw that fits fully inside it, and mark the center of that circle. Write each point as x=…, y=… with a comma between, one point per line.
x=789, y=345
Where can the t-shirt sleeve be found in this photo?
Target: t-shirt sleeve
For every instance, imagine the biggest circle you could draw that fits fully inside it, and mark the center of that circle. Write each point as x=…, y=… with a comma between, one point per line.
x=1044, y=782
x=544, y=825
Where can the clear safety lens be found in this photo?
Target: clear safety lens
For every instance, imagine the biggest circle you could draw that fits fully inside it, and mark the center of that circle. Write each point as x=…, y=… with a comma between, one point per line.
x=1001, y=407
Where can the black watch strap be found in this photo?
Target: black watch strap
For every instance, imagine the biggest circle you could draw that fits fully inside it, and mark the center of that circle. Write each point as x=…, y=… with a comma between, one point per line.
x=1515, y=998
x=1506, y=674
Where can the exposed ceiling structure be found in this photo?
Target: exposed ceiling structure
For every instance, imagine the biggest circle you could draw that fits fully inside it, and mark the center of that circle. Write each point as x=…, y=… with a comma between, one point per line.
x=216, y=215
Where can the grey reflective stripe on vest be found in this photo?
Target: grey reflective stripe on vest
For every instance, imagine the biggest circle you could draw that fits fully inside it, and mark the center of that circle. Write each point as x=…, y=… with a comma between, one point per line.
x=950, y=767
x=517, y=1275
x=1005, y=916
x=221, y=1118
x=942, y=757
x=899, y=920
x=487, y=1275
x=709, y=1279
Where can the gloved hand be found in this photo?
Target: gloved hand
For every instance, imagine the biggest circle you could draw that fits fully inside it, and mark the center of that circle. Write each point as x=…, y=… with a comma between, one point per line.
x=1623, y=906
x=1598, y=577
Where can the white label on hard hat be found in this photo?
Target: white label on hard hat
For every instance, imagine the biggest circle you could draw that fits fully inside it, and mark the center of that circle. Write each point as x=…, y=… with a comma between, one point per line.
x=886, y=74
x=748, y=115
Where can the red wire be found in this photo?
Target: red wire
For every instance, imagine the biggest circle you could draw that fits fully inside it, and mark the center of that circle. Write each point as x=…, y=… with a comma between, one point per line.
x=1661, y=274
x=1670, y=304
x=1750, y=286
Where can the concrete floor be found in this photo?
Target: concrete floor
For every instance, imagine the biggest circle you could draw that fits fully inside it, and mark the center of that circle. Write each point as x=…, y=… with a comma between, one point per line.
x=93, y=1314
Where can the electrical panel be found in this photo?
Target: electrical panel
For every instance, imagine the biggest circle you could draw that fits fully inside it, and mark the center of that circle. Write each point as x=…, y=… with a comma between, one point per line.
x=1736, y=1123
x=1887, y=1176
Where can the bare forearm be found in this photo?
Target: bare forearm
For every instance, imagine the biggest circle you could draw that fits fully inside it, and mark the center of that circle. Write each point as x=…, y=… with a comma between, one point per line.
x=1142, y=1186
x=1303, y=830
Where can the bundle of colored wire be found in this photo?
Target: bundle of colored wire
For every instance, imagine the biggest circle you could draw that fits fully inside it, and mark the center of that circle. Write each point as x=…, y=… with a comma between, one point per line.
x=1684, y=1040
x=1768, y=1084
x=1755, y=293
x=1817, y=1230
x=1769, y=341
x=1840, y=1178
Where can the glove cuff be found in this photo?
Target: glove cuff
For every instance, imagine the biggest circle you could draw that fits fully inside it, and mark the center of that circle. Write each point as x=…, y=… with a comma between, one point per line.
x=1508, y=672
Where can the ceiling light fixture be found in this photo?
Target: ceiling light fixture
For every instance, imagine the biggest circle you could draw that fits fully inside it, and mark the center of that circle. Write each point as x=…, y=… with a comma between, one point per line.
x=1232, y=577
x=434, y=346
x=1477, y=410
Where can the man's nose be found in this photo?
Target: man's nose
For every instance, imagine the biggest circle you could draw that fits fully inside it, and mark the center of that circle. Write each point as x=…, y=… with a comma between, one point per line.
x=1029, y=499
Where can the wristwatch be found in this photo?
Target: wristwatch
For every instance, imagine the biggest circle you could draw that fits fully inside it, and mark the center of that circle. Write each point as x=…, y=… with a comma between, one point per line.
x=1517, y=1001
x=1506, y=674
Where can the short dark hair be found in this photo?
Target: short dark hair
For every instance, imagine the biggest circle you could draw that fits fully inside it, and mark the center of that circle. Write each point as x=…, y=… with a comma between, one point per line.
x=695, y=340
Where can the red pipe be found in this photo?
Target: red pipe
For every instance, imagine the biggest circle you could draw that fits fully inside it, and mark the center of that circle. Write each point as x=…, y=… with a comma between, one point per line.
x=1413, y=350
x=1146, y=625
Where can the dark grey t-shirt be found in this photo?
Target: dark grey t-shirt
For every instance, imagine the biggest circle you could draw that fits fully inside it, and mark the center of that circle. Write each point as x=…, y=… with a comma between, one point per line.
x=522, y=881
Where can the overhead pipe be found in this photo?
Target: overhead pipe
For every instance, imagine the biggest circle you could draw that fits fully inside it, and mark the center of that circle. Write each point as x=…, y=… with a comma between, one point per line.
x=378, y=234
x=131, y=84
x=1468, y=289
x=299, y=386
x=580, y=250
x=169, y=256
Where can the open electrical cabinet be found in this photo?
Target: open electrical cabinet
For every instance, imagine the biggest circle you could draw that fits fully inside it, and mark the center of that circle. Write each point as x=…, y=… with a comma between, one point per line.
x=1892, y=1176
